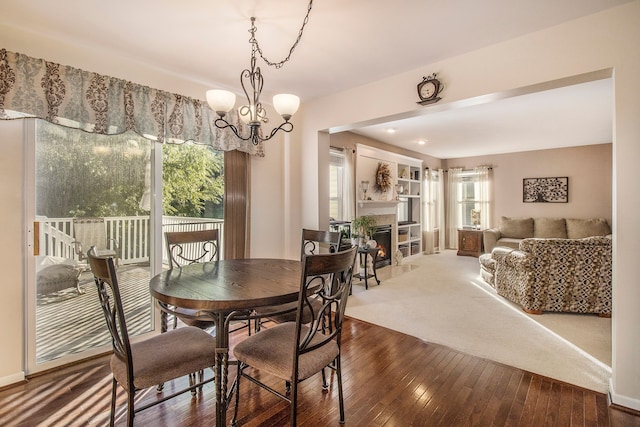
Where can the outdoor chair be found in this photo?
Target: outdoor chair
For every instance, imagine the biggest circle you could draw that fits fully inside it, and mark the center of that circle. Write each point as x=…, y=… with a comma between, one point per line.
x=310, y=244
x=92, y=232
x=295, y=351
x=144, y=364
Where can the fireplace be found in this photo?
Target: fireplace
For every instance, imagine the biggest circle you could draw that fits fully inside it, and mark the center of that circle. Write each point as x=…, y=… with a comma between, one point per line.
x=382, y=236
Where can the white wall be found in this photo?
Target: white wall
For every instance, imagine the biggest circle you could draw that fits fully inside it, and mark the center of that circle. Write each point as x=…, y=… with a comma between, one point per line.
x=11, y=261
x=607, y=40
x=589, y=169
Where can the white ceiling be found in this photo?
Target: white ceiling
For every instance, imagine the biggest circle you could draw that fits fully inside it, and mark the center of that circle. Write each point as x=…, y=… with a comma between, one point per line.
x=346, y=44
x=574, y=115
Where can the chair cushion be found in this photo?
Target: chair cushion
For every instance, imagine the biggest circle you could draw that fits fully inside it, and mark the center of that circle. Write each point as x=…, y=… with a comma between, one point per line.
x=272, y=350
x=581, y=228
x=487, y=262
x=508, y=242
x=286, y=312
x=167, y=356
x=546, y=228
x=518, y=228
x=291, y=312
x=188, y=317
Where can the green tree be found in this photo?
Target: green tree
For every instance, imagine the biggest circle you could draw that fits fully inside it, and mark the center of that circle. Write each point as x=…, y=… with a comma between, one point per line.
x=81, y=174
x=84, y=174
x=192, y=177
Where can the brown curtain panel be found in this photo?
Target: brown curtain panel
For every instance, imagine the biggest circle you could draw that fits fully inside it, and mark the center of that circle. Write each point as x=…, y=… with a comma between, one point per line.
x=236, y=204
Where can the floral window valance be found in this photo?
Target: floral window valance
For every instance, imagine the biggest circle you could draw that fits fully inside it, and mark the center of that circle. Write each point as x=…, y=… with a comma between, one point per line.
x=67, y=96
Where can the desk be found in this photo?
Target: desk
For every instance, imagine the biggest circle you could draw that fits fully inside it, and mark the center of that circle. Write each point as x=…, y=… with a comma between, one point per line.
x=225, y=289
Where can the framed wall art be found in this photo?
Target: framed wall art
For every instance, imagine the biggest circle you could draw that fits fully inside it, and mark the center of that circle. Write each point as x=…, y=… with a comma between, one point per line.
x=545, y=190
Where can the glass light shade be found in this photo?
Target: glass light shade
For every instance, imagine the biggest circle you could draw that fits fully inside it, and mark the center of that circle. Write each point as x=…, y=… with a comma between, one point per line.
x=245, y=112
x=286, y=105
x=221, y=101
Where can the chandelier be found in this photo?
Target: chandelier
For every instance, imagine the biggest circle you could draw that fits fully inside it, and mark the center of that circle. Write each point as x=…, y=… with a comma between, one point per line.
x=253, y=113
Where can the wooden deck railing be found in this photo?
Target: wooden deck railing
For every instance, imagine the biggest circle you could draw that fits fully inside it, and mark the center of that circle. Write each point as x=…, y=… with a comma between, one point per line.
x=131, y=232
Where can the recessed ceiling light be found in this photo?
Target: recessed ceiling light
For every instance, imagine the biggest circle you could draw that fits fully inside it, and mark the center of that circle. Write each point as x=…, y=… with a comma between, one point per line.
x=391, y=130
x=422, y=141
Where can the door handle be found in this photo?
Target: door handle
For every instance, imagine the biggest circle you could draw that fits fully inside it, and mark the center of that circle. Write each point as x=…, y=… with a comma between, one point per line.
x=36, y=238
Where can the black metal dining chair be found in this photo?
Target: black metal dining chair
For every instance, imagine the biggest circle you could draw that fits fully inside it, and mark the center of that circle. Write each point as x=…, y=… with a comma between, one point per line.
x=191, y=247
x=184, y=248
x=295, y=351
x=311, y=243
x=144, y=364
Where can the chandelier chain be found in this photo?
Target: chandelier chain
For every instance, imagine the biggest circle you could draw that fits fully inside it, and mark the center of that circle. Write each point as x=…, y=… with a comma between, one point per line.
x=254, y=41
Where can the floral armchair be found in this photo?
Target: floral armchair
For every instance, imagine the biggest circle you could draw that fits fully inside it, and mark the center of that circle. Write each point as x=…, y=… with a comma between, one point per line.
x=562, y=275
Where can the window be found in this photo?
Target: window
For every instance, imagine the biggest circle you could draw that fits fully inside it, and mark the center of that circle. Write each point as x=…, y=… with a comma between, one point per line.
x=469, y=191
x=469, y=201
x=336, y=184
x=433, y=199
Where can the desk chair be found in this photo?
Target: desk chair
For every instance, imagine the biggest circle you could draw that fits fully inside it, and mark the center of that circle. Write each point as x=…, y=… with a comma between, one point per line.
x=144, y=364
x=295, y=351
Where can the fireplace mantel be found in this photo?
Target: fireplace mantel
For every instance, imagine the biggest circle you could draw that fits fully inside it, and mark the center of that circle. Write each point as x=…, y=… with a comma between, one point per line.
x=381, y=203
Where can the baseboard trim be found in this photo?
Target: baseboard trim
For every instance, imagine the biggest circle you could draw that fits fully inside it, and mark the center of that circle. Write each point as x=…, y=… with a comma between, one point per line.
x=623, y=403
x=11, y=379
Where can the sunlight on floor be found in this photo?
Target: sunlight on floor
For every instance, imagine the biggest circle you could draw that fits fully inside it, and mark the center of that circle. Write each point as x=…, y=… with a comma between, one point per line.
x=480, y=284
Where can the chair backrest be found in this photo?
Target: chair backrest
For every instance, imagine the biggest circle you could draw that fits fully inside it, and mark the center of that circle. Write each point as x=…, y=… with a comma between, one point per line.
x=325, y=278
x=104, y=274
x=189, y=247
x=311, y=240
x=89, y=232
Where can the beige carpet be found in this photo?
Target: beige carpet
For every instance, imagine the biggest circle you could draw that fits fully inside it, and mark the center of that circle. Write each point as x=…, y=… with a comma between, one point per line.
x=442, y=299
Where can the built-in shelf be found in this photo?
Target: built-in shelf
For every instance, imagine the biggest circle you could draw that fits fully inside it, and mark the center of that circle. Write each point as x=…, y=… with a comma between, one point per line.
x=409, y=180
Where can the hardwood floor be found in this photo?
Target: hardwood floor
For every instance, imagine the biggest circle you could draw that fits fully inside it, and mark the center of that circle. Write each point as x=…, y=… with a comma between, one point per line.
x=390, y=379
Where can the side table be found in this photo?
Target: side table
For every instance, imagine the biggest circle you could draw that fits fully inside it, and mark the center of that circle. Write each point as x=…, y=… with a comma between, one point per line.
x=364, y=252
x=470, y=242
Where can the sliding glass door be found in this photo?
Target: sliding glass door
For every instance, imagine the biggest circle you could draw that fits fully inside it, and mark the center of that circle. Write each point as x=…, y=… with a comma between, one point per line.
x=84, y=190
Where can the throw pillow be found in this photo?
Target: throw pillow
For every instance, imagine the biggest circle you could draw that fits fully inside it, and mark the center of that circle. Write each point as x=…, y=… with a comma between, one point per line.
x=581, y=228
x=550, y=228
x=518, y=228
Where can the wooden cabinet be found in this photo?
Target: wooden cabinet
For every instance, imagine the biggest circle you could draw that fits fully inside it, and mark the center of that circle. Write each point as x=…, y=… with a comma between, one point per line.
x=470, y=242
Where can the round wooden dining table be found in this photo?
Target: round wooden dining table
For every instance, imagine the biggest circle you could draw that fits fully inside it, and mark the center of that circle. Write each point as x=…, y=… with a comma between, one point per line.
x=224, y=290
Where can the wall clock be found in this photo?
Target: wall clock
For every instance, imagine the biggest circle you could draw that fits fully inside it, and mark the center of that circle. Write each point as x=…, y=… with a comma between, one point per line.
x=428, y=90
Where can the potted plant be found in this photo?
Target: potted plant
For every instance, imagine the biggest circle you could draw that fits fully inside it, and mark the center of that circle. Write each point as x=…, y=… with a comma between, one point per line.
x=363, y=228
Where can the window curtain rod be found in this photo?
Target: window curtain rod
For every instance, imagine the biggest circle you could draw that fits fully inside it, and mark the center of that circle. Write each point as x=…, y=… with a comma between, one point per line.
x=343, y=149
x=95, y=103
x=464, y=170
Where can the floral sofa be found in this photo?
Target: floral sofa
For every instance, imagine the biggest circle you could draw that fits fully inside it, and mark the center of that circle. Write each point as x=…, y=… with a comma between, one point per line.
x=565, y=267
x=511, y=231
x=565, y=275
